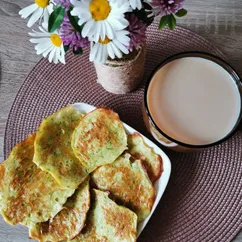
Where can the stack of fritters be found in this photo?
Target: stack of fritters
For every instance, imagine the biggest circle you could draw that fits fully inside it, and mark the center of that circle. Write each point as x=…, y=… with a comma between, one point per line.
x=80, y=178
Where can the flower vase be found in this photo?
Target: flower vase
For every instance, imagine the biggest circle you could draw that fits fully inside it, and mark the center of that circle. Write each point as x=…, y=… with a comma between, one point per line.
x=120, y=76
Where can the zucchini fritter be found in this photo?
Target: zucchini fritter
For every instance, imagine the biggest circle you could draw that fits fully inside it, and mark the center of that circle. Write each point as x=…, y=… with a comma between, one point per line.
x=99, y=138
x=128, y=183
x=151, y=161
x=108, y=222
x=53, y=152
x=69, y=222
x=28, y=194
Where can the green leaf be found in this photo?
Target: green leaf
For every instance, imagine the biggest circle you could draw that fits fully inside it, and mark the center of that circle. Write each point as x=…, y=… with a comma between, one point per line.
x=181, y=13
x=171, y=21
x=163, y=21
x=66, y=48
x=78, y=51
x=56, y=19
x=74, y=22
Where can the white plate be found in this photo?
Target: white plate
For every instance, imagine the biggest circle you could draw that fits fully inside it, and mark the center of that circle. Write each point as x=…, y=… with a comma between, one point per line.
x=160, y=184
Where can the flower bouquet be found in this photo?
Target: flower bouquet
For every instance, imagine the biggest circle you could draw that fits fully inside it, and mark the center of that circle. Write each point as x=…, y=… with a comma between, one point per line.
x=115, y=30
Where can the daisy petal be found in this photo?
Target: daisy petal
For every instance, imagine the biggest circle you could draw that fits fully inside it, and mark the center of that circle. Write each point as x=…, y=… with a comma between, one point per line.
x=81, y=22
x=110, y=51
x=25, y=12
x=123, y=32
x=121, y=47
x=51, y=55
x=120, y=2
x=76, y=11
x=133, y=4
x=35, y=41
x=93, y=52
x=123, y=8
x=88, y=28
x=35, y=17
x=43, y=33
x=62, y=55
x=38, y=34
x=97, y=31
x=46, y=52
x=99, y=53
x=43, y=30
x=57, y=55
x=110, y=32
x=117, y=52
x=118, y=24
x=38, y=41
x=76, y=3
x=125, y=40
x=138, y=4
x=41, y=51
x=122, y=37
x=55, y=58
x=124, y=22
x=50, y=8
x=104, y=54
x=86, y=3
x=40, y=48
x=102, y=32
x=80, y=11
x=46, y=17
x=86, y=16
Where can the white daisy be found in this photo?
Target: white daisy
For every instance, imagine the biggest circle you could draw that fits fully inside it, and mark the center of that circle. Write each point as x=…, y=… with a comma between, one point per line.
x=101, y=17
x=49, y=44
x=107, y=47
x=133, y=3
x=37, y=10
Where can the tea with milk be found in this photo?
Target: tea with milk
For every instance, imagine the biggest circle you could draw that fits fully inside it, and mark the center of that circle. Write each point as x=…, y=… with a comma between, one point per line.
x=194, y=100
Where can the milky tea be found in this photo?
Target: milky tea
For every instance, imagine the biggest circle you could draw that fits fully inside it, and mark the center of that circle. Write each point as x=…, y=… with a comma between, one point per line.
x=194, y=101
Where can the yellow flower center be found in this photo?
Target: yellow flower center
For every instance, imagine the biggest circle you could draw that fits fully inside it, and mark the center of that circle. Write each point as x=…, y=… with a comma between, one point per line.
x=99, y=9
x=42, y=3
x=56, y=40
x=105, y=41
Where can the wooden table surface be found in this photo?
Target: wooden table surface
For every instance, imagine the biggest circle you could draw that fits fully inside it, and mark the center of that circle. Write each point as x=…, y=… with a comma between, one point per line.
x=219, y=21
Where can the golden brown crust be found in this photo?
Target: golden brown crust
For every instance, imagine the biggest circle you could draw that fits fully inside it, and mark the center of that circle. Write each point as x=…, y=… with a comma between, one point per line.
x=68, y=223
x=99, y=138
x=125, y=221
x=161, y=169
x=108, y=222
x=27, y=193
x=140, y=150
x=128, y=184
x=53, y=152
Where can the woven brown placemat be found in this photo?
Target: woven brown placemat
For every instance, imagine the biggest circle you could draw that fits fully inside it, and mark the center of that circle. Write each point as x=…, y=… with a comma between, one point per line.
x=203, y=199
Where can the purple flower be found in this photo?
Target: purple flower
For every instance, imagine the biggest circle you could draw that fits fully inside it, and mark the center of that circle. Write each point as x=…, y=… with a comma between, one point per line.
x=71, y=37
x=64, y=4
x=166, y=7
x=137, y=29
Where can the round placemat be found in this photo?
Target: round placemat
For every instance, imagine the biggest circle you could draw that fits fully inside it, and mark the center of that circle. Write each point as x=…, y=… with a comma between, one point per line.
x=203, y=199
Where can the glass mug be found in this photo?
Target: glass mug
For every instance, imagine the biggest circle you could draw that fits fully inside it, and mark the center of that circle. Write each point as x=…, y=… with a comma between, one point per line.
x=192, y=101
